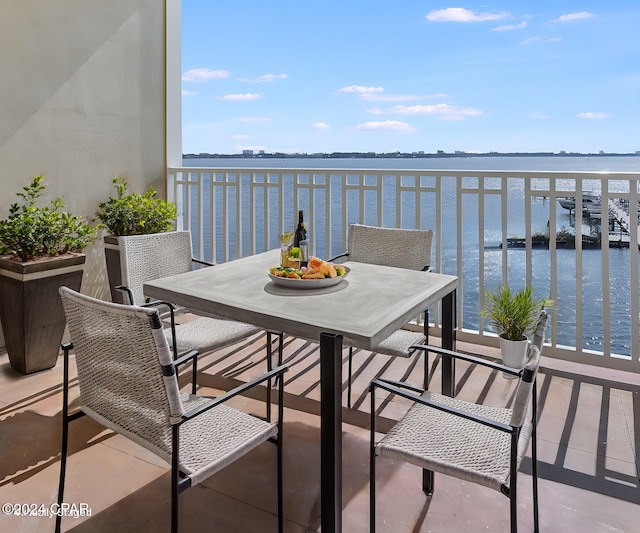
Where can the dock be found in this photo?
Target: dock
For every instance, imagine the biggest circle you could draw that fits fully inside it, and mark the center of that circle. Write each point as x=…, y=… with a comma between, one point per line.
x=623, y=219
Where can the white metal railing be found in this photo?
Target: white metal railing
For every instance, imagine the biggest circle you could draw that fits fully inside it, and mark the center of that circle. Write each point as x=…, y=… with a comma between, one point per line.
x=491, y=228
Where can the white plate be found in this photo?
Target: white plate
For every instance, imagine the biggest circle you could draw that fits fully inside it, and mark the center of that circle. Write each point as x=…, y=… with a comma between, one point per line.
x=308, y=283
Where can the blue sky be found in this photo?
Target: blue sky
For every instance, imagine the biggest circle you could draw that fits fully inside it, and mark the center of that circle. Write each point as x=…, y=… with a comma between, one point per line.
x=409, y=75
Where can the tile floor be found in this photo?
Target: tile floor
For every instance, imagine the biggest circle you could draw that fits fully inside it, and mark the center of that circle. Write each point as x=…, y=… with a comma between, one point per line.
x=589, y=432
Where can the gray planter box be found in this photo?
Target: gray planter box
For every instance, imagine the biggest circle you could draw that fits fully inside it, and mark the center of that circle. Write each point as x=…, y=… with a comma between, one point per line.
x=31, y=310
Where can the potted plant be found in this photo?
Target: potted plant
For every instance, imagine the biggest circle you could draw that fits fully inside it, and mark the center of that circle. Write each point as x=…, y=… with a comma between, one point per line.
x=129, y=213
x=515, y=316
x=40, y=250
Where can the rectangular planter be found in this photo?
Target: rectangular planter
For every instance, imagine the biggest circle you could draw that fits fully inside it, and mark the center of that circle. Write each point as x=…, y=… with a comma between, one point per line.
x=31, y=312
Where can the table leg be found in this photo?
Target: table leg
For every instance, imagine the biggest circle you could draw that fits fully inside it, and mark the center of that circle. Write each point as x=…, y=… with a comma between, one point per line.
x=331, y=432
x=449, y=342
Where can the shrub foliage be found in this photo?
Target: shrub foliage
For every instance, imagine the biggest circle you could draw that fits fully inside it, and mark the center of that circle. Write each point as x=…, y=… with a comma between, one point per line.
x=32, y=232
x=135, y=214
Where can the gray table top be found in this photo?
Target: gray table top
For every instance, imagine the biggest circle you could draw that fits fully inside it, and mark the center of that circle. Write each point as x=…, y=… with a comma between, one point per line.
x=366, y=307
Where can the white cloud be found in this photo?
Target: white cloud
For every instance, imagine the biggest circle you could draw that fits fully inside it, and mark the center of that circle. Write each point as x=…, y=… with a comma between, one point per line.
x=509, y=27
x=591, y=115
x=375, y=111
x=265, y=78
x=188, y=93
x=239, y=136
x=459, y=14
x=377, y=97
x=537, y=115
x=532, y=40
x=204, y=74
x=253, y=119
x=360, y=89
x=240, y=97
x=569, y=17
x=320, y=126
x=387, y=125
x=441, y=111
x=375, y=94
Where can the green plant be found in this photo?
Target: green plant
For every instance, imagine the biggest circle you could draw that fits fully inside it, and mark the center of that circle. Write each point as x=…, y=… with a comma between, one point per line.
x=135, y=214
x=31, y=232
x=515, y=315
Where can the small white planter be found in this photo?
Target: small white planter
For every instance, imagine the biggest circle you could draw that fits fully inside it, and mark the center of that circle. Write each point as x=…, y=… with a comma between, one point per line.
x=514, y=354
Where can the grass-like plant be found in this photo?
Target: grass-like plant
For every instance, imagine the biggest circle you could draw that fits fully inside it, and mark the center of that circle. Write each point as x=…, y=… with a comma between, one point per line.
x=135, y=214
x=32, y=232
x=515, y=315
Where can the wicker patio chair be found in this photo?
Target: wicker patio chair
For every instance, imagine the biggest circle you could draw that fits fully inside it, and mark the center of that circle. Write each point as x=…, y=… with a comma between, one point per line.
x=148, y=257
x=475, y=443
x=128, y=383
x=402, y=248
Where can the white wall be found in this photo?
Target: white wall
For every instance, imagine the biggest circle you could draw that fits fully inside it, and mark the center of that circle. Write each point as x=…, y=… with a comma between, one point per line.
x=82, y=100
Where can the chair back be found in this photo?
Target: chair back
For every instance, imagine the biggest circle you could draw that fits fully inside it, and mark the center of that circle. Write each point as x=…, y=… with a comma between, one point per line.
x=404, y=248
x=125, y=374
x=147, y=257
x=529, y=372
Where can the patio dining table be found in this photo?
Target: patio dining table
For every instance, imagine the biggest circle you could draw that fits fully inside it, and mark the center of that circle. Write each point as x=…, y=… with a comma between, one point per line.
x=369, y=304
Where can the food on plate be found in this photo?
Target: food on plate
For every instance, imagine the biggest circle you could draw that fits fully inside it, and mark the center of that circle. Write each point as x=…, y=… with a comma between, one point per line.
x=286, y=272
x=317, y=269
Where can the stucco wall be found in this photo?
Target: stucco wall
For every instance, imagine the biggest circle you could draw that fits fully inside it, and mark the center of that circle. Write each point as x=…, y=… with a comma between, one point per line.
x=82, y=100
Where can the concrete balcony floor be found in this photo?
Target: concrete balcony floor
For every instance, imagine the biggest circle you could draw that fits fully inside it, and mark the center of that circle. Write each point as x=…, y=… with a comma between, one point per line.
x=588, y=440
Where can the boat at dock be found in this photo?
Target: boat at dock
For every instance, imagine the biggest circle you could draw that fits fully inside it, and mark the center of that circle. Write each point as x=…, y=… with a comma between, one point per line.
x=589, y=200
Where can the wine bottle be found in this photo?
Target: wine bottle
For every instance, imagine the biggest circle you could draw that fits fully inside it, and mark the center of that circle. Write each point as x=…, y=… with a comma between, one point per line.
x=300, y=233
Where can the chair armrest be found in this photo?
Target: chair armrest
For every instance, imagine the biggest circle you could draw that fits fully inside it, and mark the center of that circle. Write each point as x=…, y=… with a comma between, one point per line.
x=278, y=371
x=394, y=388
x=343, y=254
x=127, y=291
x=185, y=358
x=202, y=262
x=466, y=357
x=172, y=313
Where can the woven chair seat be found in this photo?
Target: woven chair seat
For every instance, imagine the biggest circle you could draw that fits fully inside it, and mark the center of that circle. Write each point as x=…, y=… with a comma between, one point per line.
x=218, y=437
x=208, y=334
x=397, y=344
x=442, y=442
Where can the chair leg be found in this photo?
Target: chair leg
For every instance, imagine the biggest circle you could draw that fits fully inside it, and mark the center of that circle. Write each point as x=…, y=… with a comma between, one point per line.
x=349, y=378
x=175, y=491
x=513, y=487
x=65, y=435
x=63, y=468
x=428, y=482
x=426, y=353
x=426, y=370
x=534, y=459
x=269, y=367
x=280, y=448
x=372, y=466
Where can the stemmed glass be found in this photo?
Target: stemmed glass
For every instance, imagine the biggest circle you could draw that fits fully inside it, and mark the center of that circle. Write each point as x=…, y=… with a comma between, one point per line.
x=285, y=244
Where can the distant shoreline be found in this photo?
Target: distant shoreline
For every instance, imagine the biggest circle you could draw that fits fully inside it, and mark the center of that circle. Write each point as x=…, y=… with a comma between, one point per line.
x=400, y=155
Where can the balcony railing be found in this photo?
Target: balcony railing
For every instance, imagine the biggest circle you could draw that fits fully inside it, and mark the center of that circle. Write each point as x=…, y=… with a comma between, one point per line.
x=491, y=228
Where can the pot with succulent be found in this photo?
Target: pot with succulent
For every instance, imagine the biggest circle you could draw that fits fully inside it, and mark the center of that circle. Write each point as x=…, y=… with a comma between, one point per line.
x=41, y=248
x=129, y=213
x=515, y=315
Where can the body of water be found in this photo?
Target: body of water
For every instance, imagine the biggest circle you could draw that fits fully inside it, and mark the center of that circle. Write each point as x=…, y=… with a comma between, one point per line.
x=521, y=163
x=620, y=293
